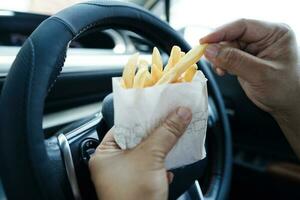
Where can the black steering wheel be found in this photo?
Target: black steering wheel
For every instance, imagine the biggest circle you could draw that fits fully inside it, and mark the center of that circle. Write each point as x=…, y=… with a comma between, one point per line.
x=33, y=167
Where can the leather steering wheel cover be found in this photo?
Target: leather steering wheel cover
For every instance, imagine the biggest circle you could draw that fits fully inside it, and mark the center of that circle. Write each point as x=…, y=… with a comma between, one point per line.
x=35, y=70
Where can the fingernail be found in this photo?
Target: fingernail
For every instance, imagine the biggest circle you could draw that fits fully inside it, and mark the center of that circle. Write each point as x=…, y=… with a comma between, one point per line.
x=184, y=113
x=212, y=51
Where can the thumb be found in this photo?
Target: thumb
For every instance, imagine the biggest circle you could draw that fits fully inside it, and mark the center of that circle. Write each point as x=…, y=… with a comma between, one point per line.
x=166, y=136
x=235, y=61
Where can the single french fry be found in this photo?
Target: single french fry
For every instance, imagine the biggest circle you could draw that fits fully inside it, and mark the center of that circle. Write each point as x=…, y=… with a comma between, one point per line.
x=156, y=59
x=157, y=66
x=184, y=63
x=149, y=81
x=129, y=70
x=143, y=64
x=140, y=78
x=190, y=73
x=156, y=73
x=175, y=56
x=169, y=77
x=182, y=54
x=180, y=80
x=122, y=83
x=192, y=57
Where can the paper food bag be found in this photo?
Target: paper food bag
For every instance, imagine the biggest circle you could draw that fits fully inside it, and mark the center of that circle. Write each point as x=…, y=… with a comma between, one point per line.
x=139, y=111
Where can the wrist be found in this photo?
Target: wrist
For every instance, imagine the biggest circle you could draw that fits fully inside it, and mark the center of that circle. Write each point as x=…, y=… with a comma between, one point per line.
x=289, y=123
x=288, y=119
x=116, y=190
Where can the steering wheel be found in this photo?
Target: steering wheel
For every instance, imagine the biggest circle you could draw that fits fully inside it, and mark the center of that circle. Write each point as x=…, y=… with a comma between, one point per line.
x=33, y=167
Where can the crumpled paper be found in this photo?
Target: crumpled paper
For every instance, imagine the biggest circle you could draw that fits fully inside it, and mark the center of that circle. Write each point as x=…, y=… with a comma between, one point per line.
x=138, y=111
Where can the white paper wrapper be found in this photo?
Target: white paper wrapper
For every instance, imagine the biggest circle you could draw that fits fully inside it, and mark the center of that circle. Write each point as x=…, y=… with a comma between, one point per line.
x=139, y=111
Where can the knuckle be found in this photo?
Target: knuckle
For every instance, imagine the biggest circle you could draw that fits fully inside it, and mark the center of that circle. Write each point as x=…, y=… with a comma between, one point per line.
x=157, y=154
x=229, y=54
x=228, y=57
x=173, y=127
x=242, y=21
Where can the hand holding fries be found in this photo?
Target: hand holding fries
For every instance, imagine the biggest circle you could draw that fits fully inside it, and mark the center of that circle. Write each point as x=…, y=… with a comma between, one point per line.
x=181, y=67
x=137, y=112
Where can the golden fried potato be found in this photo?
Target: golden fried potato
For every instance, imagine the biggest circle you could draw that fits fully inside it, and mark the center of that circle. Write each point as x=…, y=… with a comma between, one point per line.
x=190, y=58
x=129, y=70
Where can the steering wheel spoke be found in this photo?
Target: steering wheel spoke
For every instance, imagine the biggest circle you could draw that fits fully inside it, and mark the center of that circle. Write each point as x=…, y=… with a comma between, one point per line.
x=77, y=142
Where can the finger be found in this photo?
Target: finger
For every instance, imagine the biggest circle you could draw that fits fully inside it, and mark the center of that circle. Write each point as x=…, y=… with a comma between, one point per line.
x=235, y=61
x=108, y=142
x=244, y=30
x=170, y=177
x=233, y=44
x=220, y=72
x=166, y=136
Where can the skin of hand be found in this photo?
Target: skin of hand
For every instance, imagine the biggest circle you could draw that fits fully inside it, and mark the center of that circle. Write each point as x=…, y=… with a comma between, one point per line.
x=138, y=173
x=264, y=57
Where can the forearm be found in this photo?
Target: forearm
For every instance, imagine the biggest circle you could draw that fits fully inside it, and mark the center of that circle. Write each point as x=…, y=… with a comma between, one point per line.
x=290, y=125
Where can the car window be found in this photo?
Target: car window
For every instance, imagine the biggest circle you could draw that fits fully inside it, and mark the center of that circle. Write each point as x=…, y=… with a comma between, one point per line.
x=213, y=13
x=45, y=6
x=98, y=50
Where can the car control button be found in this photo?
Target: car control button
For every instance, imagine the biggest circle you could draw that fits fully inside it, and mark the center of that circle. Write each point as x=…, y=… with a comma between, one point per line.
x=88, y=148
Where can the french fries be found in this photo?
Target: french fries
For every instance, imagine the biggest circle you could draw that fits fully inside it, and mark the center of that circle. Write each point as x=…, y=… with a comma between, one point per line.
x=140, y=78
x=143, y=64
x=156, y=59
x=182, y=54
x=174, y=58
x=156, y=73
x=148, y=80
x=122, y=83
x=181, y=67
x=157, y=66
x=190, y=73
x=184, y=63
x=129, y=71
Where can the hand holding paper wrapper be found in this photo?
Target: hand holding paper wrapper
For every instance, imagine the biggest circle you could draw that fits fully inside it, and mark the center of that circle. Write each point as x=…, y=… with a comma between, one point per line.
x=139, y=110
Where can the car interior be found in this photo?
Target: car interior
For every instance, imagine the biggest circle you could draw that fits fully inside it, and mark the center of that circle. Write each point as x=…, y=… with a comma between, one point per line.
x=56, y=100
